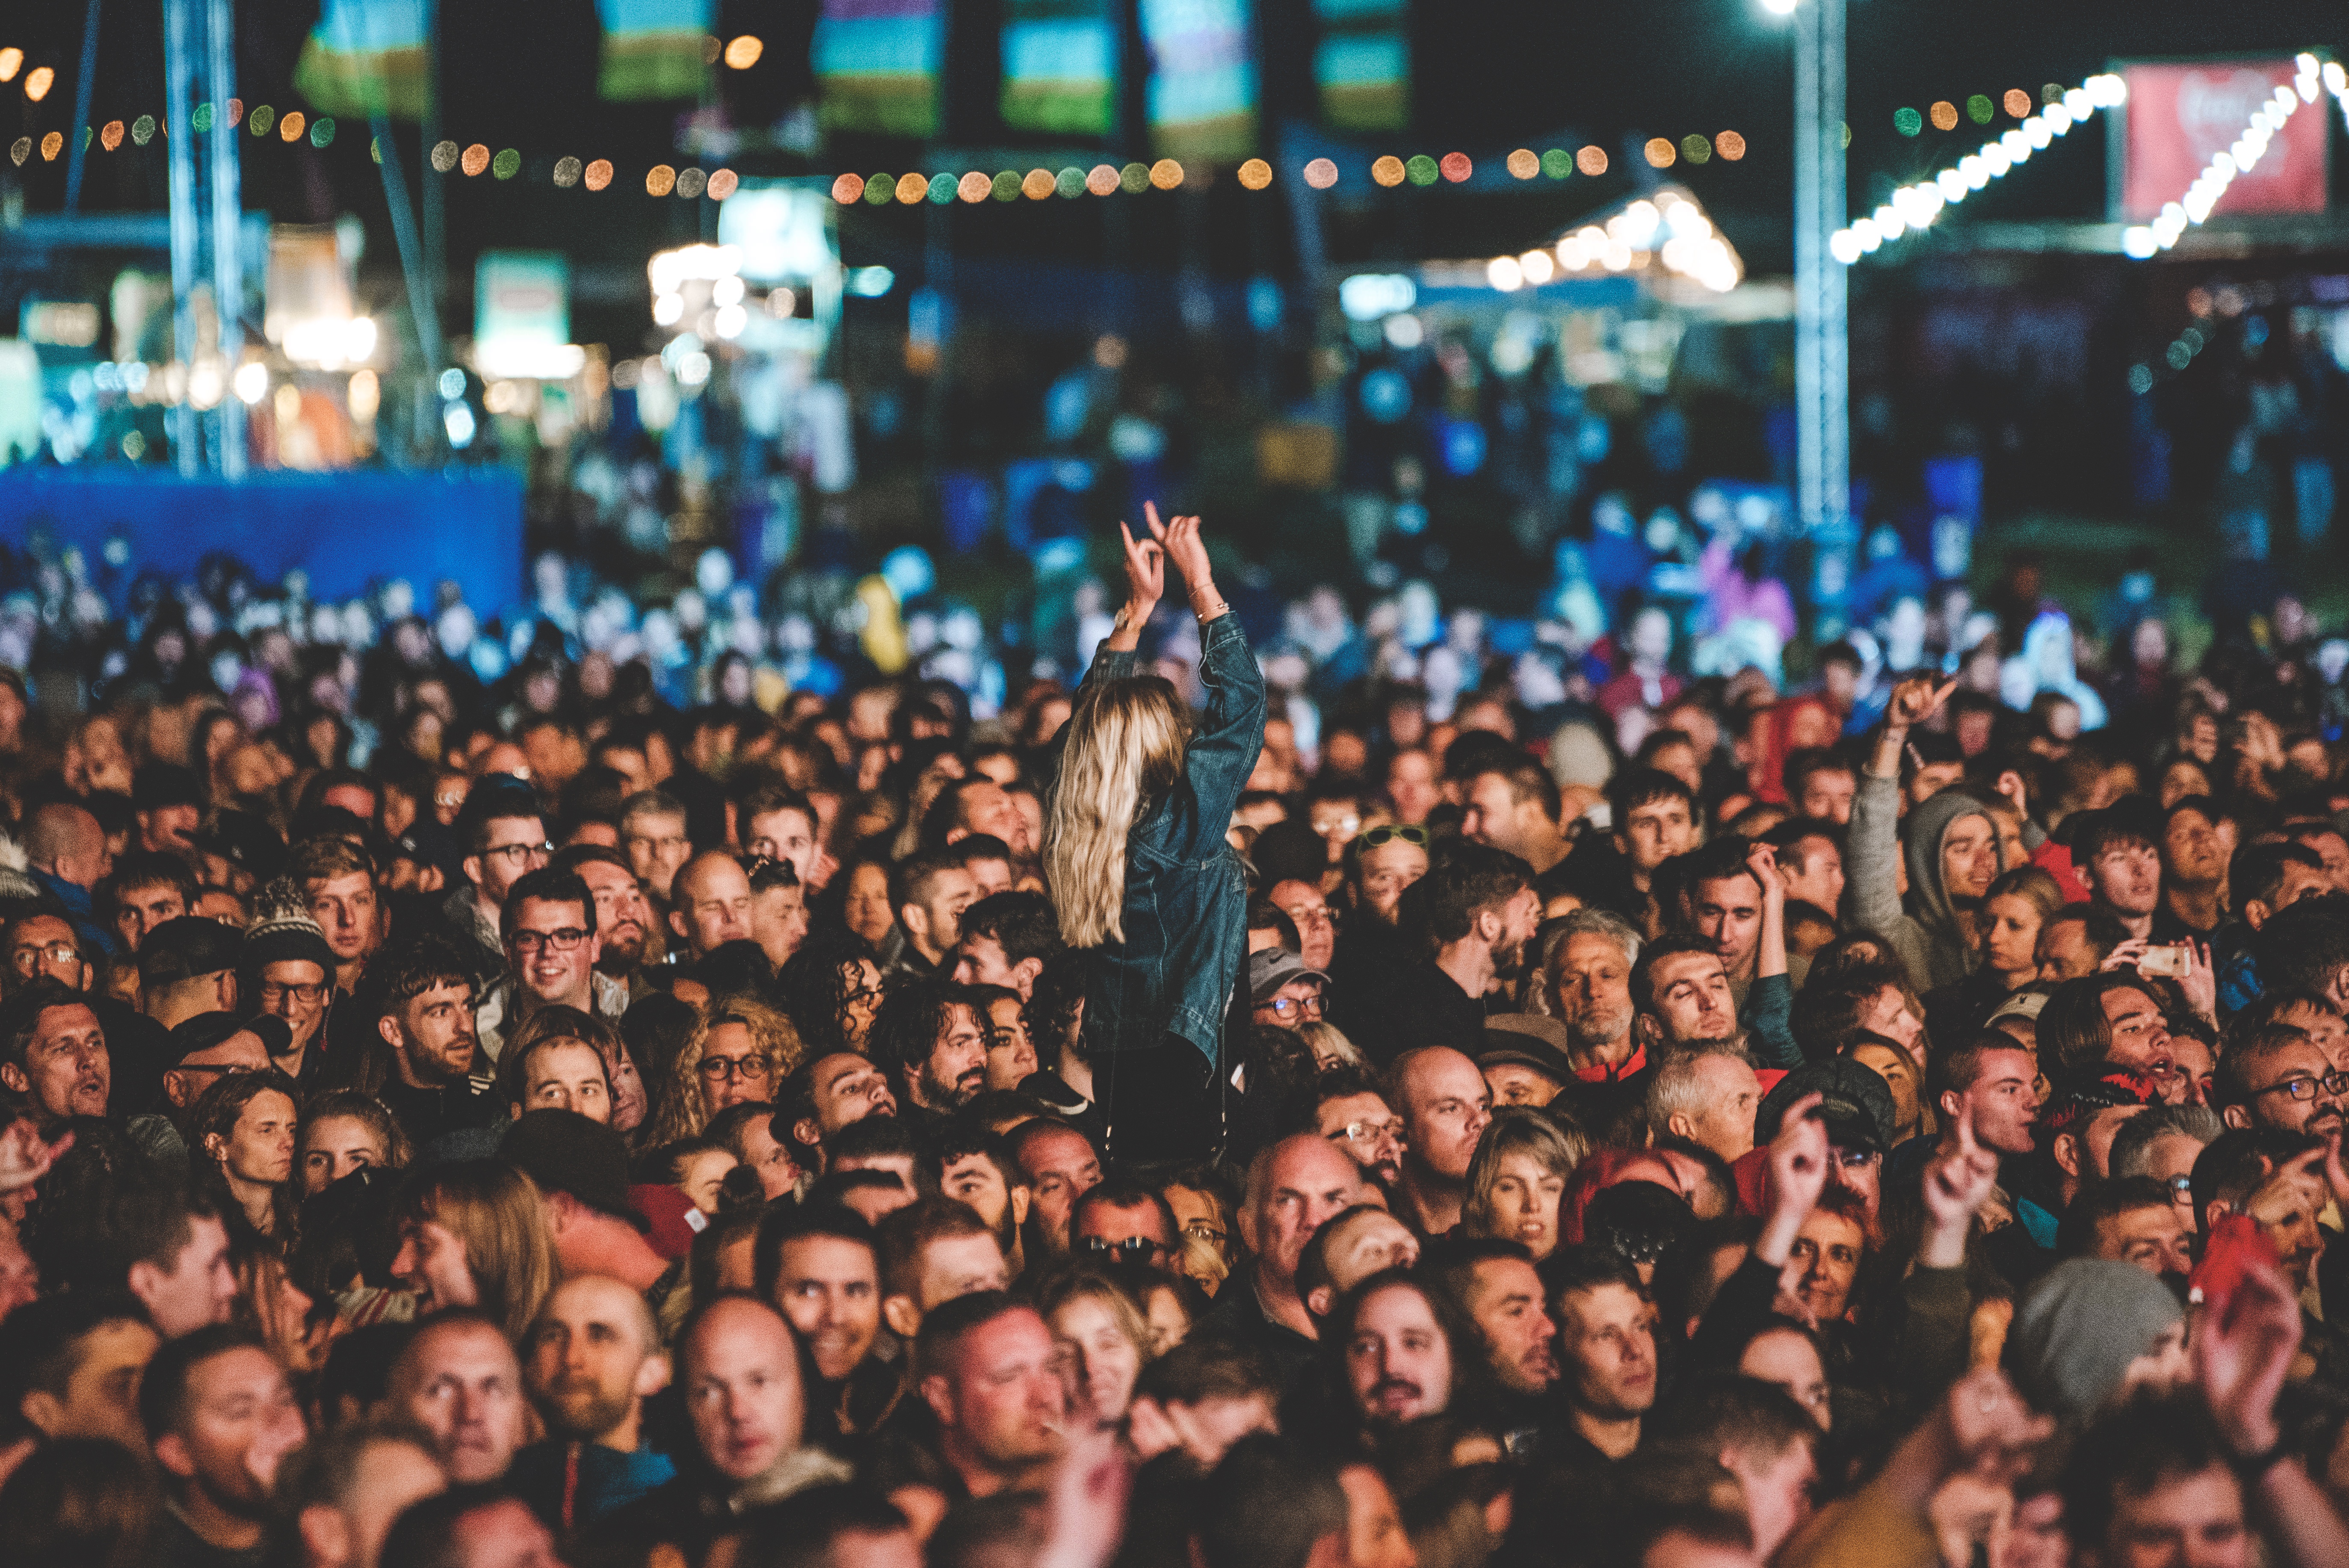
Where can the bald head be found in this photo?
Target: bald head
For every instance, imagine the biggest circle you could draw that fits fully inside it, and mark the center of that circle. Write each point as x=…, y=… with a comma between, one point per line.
x=710, y=901
x=741, y=1371
x=1295, y=1188
x=605, y=1302
x=66, y=841
x=593, y=1358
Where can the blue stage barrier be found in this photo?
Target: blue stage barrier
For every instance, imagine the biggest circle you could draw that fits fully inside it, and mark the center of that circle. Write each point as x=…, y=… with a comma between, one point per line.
x=347, y=531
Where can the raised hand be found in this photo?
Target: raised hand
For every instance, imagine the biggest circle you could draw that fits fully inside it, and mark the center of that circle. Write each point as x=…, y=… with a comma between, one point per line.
x=1990, y=1427
x=1957, y=1184
x=1145, y=572
x=1915, y=700
x=1798, y=1174
x=1762, y=860
x=1084, y=1504
x=2240, y=1355
x=25, y=1157
x=1189, y=549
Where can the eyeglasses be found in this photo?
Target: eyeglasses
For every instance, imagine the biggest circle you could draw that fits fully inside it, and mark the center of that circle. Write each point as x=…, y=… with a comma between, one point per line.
x=519, y=854
x=717, y=1070
x=2181, y=1189
x=28, y=959
x=1290, y=1007
x=309, y=994
x=1199, y=1229
x=1387, y=833
x=564, y=941
x=2332, y=1083
x=1856, y=1159
x=1126, y=1249
x=1368, y=1131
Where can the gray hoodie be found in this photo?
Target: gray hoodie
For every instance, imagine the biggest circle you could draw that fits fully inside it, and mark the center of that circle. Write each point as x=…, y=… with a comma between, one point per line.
x=1925, y=933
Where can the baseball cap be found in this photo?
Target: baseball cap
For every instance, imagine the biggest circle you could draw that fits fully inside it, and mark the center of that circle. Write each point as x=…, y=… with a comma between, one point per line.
x=1854, y=1100
x=564, y=1151
x=2022, y=1004
x=182, y=949
x=1270, y=968
x=205, y=1030
x=674, y=1219
x=1528, y=1040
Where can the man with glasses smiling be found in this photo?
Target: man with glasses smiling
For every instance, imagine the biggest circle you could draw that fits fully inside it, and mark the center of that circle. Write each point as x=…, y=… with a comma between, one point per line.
x=1287, y=994
x=2277, y=1077
x=552, y=948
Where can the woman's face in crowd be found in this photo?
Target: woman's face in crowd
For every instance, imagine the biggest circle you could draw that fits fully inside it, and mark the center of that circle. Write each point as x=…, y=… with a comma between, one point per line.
x=334, y=1146
x=627, y=1092
x=1107, y=1361
x=260, y=1147
x=1524, y=1204
x=701, y=1176
x=1387, y=870
x=1828, y=1251
x=1907, y=1107
x=2010, y=936
x=867, y=910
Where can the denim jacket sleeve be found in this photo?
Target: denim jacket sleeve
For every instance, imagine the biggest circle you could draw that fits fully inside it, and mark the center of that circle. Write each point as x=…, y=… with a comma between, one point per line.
x=1223, y=748
x=1769, y=1014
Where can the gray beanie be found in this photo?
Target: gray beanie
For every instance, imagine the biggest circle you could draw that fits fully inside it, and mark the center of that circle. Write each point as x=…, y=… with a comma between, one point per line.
x=2079, y=1328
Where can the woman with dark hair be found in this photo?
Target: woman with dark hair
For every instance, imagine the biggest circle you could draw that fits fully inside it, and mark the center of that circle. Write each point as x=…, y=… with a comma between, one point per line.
x=654, y=1031
x=243, y=1135
x=831, y=989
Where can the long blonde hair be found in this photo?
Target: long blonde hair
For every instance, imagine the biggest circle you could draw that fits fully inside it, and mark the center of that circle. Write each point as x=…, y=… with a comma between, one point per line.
x=1124, y=752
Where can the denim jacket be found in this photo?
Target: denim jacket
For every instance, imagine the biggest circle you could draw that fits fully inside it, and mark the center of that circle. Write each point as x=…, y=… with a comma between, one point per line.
x=1186, y=909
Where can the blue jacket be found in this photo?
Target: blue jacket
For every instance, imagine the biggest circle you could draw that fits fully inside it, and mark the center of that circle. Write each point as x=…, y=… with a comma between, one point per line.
x=1185, y=911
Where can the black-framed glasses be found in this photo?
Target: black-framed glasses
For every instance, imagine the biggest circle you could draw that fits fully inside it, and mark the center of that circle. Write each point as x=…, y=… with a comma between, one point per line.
x=519, y=854
x=309, y=992
x=1126, y=1249
x=717, y=1070
x=2304, y=1089
x=567, y=940
x=1294, y=1006
x=1387, y=833
x=2181, y=1188
x=1368, y=1131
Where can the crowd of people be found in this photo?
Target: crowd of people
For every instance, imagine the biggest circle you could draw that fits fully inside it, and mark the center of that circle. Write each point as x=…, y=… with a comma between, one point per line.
x=455, y=1117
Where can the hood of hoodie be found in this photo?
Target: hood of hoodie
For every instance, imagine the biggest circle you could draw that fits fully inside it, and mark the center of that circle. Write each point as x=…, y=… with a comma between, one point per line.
x=1928, y=825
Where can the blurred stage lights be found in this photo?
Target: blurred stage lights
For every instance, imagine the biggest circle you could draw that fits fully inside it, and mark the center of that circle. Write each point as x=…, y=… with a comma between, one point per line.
x=2142, y=241
x=1916, y=206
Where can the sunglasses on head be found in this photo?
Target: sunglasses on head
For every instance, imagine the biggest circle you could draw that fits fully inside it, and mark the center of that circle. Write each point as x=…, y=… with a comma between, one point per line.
x=1387, y=833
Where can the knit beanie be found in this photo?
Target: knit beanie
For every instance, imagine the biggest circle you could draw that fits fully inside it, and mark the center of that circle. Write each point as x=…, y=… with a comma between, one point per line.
x=2079, y=1328
x=283, y=931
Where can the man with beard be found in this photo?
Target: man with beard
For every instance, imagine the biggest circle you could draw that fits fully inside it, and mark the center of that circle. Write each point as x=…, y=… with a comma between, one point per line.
x=933, y=1038
x=593, y=1358
x=826, y=1094
x=1394, y=1339
x=1348, y=1109
x=1446, y=1106
x=1482, y=910
x=1590, y=983
x=988, y=1367
x=975, y=1168
x=2277, y=1077
x=1736, y=902
x=1515, y=809
x=1494, y=1283
x=53, y=1052
x=623, y=918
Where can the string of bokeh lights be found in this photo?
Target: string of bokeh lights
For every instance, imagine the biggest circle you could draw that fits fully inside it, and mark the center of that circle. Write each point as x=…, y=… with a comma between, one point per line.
x=1915, y=207
x=2140, y=242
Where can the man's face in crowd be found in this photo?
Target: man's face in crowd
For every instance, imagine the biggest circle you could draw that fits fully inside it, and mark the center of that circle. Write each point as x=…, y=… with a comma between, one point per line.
x=848, y=1088
x=241, y=1421
x=1606, y=1351
x=713, y=904
x=2140, y=1034
x=516, y=847
x=1693, y=998
x=2285, y=1211
x=568, y=1074
x=1375, y=1537
x=1378, y=1149
x=1729, y=915
x=1306, y=1182
x=830, y=1288
x=590, y=1365
x=295, y=989
x=2331, y=849
x=2182, y=1521
x=1725, y=1122
x=955, y=1072
x=199, y=1287
x=66, y=1071
x=1445, y=1110
x=535, y=945
x=346, y=910
x=1411, y=785
x=2272, y=1102
x=2004, y=1101
x=2156, y=1238
x=1398, y=1362
x=990, y=809
x=43, y=945
x=1317, y=932
x=1292, y=1007
x=461, y=1385
x=1491, y=814
x=1514, y=1083
x=1001, y=1399
x=435, y=1033
x=1656, y=831
x=742, y=1392
x=979, y=960
x=622, y=916
x=2321, y=1024
x=1968, y=858
x=1827, y=795
x=1520, y=1340
x=2125, y=876
x=140, y=910
x=2064, y=951
x=786, y=835
x=2192, y=852
x=1370, y=1242
x=934, y=921
x=657, y=846
x=1820, y=881
x=1114, y=1226
x=170, y=829
x=101, y=1392
x=976, y=1181
x=1061, y=1166
x=775, y=1162
x=1590, y=986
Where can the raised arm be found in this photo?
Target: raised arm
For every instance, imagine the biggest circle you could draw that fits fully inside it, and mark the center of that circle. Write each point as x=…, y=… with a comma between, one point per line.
x=1145, y=584
x=1873, y=854
x=1223, y=748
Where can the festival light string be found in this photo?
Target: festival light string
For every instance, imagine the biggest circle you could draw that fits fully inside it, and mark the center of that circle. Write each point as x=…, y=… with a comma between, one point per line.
x=2141, y=241
x=1913, y=208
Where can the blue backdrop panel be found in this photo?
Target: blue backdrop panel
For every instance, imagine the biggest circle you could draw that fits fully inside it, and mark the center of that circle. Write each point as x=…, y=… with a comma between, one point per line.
x=346, y=530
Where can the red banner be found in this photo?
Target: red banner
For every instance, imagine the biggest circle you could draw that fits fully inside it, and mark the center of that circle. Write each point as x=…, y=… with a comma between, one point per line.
x=2179, y=116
